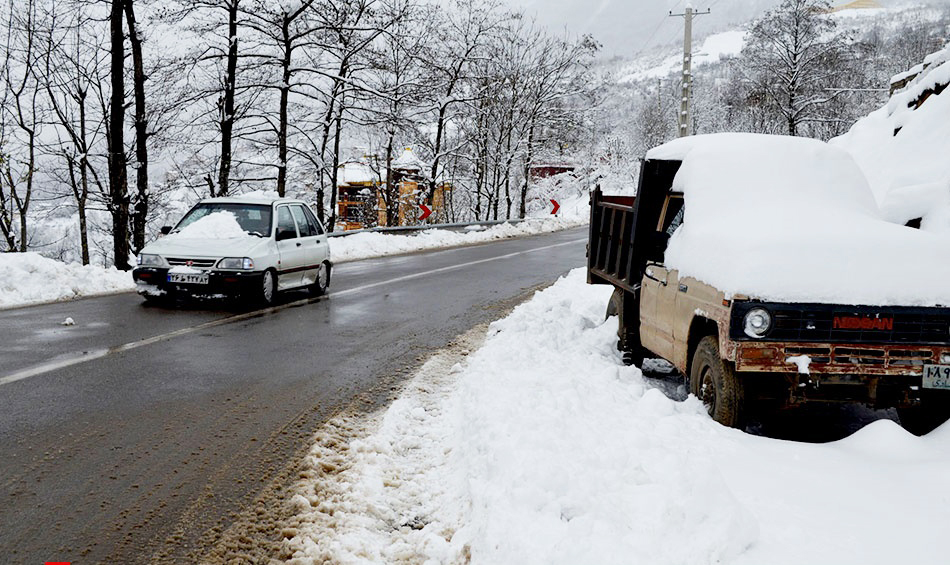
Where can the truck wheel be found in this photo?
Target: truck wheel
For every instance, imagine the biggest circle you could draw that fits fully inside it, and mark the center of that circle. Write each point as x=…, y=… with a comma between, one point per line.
x=933, y=411
x=715, y=383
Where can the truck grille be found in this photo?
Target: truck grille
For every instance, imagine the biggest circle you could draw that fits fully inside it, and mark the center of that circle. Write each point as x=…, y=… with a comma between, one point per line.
x=196, y=263
x=825, y=323
x=838, y=355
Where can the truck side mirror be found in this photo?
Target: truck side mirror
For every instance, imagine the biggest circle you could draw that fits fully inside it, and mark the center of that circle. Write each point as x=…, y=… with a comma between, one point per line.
x=166, y=230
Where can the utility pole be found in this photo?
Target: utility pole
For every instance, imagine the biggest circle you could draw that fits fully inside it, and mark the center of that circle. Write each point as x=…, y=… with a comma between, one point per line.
x=684, y=115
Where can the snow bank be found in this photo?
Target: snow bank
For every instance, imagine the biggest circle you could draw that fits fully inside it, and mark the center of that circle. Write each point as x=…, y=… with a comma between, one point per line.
x=793, y=219
x=27, y=278
x=543, y=448
x=216, y=225
x=374, y=244
x=909, y=172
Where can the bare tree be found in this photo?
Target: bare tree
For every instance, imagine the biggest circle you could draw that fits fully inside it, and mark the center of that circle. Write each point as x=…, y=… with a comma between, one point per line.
x=73, y=67
x=22, y=109
x=793, y=55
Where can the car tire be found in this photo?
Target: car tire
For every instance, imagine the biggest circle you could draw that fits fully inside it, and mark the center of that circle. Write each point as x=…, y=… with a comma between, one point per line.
x=714, y=382
x=320, y=286
x=158, y=299
x=934, y=410
x=267, y=291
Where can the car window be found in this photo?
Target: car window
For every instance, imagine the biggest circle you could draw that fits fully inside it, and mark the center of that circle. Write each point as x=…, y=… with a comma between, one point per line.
x=302, y=224
x=314, y=224
x=285, y=222
x=253, y=218
x=675, y=210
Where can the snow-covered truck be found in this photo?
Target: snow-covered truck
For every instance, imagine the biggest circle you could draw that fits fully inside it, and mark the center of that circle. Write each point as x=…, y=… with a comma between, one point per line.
x=762, y=269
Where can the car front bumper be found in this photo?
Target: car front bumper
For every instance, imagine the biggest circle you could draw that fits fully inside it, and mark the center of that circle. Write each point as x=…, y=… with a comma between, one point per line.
x=154, y=281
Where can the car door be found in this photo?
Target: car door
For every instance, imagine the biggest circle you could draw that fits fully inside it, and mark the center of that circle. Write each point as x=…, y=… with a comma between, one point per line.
x=322, y=241
x=291, y=262
x=660, y=286
x=311, y=253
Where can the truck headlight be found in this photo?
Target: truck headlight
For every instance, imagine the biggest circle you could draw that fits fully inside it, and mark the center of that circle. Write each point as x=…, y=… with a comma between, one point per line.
x=757, y=322
x=148, y=260
x=242, y=263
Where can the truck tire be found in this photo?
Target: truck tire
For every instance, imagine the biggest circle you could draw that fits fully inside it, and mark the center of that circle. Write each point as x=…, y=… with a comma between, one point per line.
x=934, y=410
x=714, y=382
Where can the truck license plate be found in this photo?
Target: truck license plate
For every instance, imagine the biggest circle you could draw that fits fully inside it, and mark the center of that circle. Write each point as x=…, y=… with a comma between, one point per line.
x=188, y=278
x=936, y=376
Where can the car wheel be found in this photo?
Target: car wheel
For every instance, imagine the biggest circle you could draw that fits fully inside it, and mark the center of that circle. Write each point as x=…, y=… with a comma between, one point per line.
x=715, y=383
x=320, y=286
x=158, y=299
x=934, y=410
x=268, y=288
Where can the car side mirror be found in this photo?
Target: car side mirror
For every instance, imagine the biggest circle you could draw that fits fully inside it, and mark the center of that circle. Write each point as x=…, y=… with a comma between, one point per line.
x=283, y=234
x=166, y=230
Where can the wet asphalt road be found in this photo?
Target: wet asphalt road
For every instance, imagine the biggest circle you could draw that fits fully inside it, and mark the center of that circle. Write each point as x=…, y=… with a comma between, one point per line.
x=149, y=451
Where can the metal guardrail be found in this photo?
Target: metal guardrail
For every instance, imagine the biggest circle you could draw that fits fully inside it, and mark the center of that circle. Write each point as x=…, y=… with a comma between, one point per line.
x=415, y=229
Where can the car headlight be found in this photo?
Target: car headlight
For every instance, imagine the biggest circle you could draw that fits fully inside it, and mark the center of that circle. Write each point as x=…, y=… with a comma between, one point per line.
x=243, y=263
x=757, y=322
x=148, y=260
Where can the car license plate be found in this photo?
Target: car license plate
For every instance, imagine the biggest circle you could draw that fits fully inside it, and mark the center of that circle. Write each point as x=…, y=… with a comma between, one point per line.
x=936, y=376
x=188, y=278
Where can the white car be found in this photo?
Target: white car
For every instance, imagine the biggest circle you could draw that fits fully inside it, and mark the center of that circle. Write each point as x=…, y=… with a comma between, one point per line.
x=247, y=247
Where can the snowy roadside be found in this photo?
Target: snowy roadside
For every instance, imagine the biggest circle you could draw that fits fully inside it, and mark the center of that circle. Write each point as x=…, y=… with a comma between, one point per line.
x=29, y=278
x=369, y=244
x=541, y=447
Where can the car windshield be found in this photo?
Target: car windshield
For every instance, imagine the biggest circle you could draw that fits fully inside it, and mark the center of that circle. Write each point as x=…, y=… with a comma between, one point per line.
x=255, y=219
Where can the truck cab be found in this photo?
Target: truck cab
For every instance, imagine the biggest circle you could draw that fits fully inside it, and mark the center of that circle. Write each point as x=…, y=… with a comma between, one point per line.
x=739, y=349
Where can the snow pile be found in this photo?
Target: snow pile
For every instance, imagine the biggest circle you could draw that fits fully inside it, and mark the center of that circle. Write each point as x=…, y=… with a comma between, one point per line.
x=216, y=225
x=793, y=219
x=375, y=244
x=27, y=278
x=543, y=448
x=909, y=172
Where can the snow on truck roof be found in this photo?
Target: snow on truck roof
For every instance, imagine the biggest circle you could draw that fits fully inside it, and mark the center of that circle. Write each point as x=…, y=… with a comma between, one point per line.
x=793, y=219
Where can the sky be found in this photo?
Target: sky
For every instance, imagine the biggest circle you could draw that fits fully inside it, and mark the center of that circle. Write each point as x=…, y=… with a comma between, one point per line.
x=626, y=27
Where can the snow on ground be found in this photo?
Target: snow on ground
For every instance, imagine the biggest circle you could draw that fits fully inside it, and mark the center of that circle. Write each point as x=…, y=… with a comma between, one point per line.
x=541, y=447
x=714, y=48
x=27, y=278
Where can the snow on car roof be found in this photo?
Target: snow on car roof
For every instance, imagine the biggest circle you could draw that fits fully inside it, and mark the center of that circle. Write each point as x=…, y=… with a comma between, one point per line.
x=256, y=197
x=793, y=219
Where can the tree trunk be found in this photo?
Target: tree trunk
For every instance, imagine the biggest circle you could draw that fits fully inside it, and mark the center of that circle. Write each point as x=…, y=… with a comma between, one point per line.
x=140, y=213
x=336, y=164
x=523, y=208
x=118, y=181
x=227, y=110
x=284, y=95
x=391, y=198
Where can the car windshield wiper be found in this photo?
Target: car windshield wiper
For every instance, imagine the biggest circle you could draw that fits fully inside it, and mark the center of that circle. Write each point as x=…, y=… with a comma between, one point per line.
x=257, y=233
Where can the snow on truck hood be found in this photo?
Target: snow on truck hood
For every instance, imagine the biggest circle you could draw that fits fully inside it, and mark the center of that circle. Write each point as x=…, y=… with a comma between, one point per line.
x=216, y=235
x=794, y=220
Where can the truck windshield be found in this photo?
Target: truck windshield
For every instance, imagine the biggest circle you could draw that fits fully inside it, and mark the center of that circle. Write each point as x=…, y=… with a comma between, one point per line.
x=255, y=219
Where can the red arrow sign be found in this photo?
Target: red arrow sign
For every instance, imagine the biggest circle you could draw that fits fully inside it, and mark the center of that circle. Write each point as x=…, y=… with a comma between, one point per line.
x=425, y=211
x=556, y=206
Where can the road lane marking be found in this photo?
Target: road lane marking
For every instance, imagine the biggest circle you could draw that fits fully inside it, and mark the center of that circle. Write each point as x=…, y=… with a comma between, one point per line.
x=92, y=355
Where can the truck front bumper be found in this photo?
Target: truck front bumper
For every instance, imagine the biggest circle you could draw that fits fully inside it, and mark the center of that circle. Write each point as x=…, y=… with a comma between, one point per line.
x=878, y=375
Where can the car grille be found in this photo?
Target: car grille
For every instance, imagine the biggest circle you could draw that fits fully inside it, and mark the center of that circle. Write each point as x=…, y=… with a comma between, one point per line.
x=197, y=263
x=824, y=323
